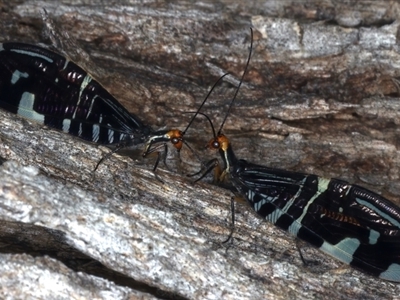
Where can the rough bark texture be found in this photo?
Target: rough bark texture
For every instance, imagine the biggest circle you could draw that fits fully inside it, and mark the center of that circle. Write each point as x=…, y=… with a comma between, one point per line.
x=321, y=97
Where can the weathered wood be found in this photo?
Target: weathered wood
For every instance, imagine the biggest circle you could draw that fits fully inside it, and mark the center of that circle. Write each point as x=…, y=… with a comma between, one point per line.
x=320, y=97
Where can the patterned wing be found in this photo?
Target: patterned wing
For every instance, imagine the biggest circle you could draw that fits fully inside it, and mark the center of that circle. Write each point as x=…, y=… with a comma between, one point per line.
x=351, y=223
x=45, y=87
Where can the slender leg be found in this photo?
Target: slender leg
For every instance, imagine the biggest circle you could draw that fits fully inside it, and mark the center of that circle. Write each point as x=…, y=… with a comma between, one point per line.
x=108, y=155
x=232, y=221
x=210, y=165
x=301, y=254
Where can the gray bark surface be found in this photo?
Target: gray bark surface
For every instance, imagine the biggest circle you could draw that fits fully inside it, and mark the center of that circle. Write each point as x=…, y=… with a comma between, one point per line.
x=321, y=97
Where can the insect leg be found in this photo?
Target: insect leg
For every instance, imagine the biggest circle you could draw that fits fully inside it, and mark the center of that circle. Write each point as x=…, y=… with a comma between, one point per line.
x=232, y=221
x=209, y=166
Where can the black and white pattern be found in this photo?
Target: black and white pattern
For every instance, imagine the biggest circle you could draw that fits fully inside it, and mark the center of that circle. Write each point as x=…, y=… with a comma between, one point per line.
x=351, y=223
x=44, y=86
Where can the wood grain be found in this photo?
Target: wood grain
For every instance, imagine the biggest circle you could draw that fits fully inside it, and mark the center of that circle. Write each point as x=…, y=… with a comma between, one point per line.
x=320, y=97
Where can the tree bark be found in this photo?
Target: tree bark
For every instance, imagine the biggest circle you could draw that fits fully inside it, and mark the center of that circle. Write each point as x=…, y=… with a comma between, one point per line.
x=320, y=97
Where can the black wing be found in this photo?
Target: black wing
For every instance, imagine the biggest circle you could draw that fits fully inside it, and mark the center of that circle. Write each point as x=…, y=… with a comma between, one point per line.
x=351, y=223
x=44, y=86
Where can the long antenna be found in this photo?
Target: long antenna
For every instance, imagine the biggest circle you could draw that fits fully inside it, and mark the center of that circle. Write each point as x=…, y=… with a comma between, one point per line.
x=204, y=101
x=211, y=124
x=240, y=83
